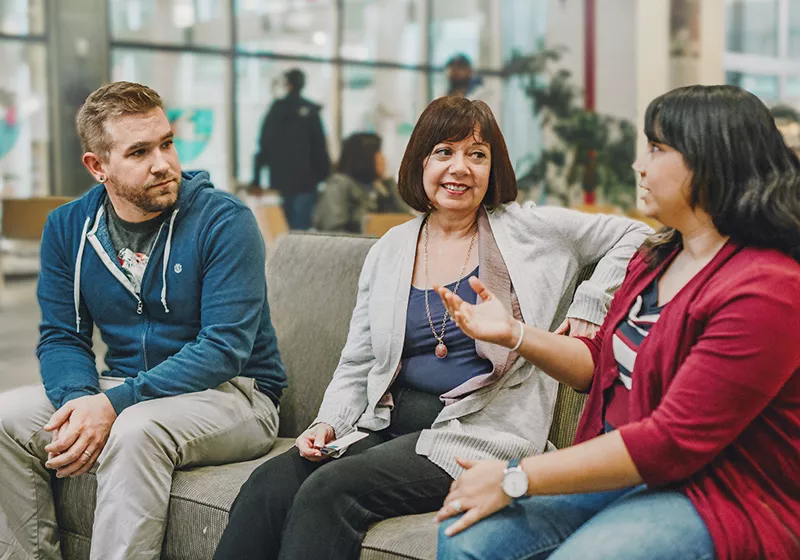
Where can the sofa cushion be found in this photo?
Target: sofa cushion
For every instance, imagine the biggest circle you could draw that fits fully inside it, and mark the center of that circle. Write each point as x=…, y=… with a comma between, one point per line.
x=199, y=505
x=312, y=284
x=198, y=509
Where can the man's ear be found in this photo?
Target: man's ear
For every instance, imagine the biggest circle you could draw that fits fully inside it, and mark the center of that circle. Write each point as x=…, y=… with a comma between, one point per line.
x=93, y=164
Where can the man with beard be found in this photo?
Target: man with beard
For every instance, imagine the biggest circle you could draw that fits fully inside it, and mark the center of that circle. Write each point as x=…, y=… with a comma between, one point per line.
x=171, y=271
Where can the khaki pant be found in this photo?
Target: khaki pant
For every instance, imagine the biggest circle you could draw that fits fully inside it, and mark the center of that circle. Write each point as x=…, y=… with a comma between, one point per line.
x=149, y=440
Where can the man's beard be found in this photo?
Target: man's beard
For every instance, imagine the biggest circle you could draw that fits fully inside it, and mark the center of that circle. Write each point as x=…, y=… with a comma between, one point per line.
x=145, y=199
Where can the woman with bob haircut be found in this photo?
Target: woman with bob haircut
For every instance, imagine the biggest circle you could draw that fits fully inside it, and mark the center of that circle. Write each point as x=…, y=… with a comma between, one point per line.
x=422, y=390
x=689, y=443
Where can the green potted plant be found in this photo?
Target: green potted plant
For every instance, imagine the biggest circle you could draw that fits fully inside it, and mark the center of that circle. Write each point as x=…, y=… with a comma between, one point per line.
x=589, y=151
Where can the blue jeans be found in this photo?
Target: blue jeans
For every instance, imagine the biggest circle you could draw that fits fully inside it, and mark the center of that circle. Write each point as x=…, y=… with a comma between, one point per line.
x=630, y=524
x=299, y=208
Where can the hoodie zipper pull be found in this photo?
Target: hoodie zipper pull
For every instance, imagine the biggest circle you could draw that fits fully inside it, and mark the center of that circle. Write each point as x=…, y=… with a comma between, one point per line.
x=139, y=308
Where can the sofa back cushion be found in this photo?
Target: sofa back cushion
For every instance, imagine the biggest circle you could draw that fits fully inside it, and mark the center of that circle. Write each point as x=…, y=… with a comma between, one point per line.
x=312, y=283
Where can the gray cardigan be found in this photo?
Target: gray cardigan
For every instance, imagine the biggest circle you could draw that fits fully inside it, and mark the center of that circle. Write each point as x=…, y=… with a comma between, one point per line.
x=543, y=249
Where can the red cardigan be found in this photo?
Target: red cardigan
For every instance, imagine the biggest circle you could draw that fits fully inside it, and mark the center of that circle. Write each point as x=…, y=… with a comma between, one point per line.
x=715, y=403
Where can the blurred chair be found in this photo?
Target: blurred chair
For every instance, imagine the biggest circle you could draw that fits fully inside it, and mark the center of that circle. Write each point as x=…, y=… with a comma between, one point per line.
x=375, y=225
x=270, y=216
x=23, y=220
x=600, y=209
x=634, y=213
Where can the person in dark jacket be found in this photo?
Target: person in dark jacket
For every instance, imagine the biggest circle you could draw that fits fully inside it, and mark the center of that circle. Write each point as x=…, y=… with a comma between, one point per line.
x=357, y=187
x=292, y=145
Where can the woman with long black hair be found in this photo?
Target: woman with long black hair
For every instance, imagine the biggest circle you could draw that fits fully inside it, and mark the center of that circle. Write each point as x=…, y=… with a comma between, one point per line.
x=689, y=444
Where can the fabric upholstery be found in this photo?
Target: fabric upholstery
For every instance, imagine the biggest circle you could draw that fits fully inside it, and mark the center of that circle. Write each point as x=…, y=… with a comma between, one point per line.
x=312, y=282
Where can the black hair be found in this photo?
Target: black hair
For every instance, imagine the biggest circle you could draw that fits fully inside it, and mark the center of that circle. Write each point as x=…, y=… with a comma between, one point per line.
x=296, y=79
x=358, y=156
x=744, y=176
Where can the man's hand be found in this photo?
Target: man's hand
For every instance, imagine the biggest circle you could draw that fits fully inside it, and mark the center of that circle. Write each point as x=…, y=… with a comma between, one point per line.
x=83, y=426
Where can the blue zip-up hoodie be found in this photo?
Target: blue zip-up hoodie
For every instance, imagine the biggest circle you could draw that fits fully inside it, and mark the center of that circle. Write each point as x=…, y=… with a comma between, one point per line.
x=202, y=317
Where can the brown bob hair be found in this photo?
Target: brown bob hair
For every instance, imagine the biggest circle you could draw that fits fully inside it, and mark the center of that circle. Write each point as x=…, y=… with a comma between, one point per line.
x=451, y=119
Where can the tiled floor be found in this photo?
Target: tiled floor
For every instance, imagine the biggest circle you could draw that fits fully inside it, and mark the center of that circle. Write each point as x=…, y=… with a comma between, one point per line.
x=19, y=323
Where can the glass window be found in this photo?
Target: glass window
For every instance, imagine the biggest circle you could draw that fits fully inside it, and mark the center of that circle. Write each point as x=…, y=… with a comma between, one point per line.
x=762, y=85
x=258, y=83
x=385, y=101
x=462, y=27
x=521, y=129
x=794, y=29
x=24, y=131
x=22, y=17
x=195, y=93
x=792, y=87
x=174, y=22
x=752, y=26
x=287, y=27
x=383, y=30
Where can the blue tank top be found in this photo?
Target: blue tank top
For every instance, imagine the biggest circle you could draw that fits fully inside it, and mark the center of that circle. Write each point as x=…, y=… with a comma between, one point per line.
x=420, y=369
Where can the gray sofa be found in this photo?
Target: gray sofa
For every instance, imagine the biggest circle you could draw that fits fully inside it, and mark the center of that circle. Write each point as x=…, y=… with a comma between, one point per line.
x=312, y=283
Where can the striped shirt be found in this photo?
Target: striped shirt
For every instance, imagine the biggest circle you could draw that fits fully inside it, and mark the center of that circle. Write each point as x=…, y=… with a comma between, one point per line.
x=626, y=341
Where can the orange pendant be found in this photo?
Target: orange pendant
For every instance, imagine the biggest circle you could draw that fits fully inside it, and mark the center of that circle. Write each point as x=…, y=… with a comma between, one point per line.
x=441, y=350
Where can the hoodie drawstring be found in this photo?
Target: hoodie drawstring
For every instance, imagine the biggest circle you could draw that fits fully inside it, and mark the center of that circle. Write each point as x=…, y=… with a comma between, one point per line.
x=167, y=249
x=76, y=283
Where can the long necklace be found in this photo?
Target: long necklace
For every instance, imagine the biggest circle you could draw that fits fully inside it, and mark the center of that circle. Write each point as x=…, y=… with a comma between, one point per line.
x=441, y=349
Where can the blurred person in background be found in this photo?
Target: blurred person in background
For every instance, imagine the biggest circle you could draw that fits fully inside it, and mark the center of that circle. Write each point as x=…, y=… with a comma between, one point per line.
x=461, y=78
x=170, y=270
x=292, y=145
x=358, y=187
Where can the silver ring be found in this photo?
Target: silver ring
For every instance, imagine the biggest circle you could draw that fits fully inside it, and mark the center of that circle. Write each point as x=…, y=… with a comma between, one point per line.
x=456, y=506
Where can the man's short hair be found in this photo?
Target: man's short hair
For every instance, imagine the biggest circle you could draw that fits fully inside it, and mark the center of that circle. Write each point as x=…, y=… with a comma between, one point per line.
x=296, y=79
x=459, y=60
x=108, y=102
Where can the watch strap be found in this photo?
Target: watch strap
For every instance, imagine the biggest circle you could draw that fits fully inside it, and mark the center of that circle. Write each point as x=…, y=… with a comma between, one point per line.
x=513, y=464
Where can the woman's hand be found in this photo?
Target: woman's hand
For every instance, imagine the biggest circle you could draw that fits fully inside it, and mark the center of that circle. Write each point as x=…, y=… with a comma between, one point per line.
x=577, y=327
x=488, y=321
x=477, y=493
x=309, y=442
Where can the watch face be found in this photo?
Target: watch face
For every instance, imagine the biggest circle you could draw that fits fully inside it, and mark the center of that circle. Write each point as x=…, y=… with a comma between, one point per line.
x=515, y=483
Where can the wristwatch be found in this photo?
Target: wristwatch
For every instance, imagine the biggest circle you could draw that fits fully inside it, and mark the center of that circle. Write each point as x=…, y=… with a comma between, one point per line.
x=515, y=480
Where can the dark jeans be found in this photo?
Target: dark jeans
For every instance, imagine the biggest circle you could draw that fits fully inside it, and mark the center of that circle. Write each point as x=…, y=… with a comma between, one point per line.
x=299, y=208
x=292, y=508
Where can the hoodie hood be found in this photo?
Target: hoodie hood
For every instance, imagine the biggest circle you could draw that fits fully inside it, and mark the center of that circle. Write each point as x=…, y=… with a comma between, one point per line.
x=192, y=183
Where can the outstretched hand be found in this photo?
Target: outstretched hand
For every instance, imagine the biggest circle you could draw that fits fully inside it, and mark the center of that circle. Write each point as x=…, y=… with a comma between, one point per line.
x=488, y=320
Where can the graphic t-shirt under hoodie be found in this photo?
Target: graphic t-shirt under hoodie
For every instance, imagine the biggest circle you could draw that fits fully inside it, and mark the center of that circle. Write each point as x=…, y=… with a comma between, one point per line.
x=133, y=242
